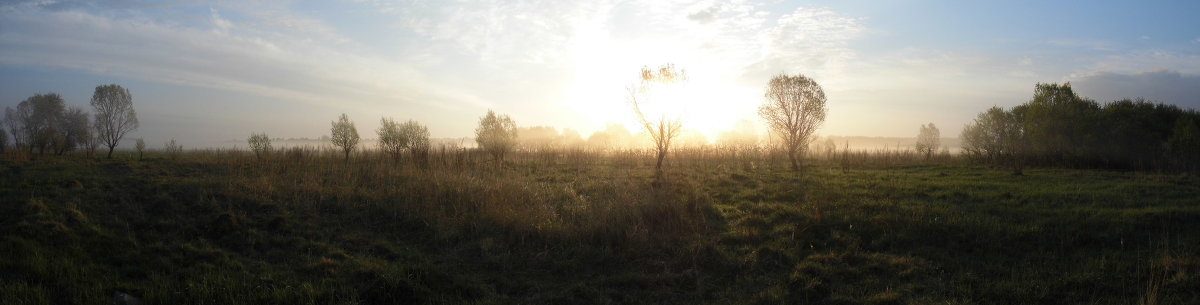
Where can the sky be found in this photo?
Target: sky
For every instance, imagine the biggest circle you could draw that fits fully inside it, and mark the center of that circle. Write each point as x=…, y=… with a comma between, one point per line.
x=207, y=71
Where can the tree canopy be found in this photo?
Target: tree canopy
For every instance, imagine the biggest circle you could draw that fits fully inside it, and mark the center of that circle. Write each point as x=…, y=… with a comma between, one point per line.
x=114, y=114
x=794, y=108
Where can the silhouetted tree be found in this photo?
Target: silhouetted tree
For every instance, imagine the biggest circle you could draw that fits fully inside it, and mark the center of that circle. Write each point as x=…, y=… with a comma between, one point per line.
x=38, y=118
x=1061, y=126
x=14, y=121
x=928, y=140
x=1184, y=144
x=344, y=135
x=114, y=114
x=794, y=109
x=260, y=144
x=496, y=134
x=75, y=130
x=1058, y=127
x=3, y=139
x=1014, y=139
x=1134, y=132
x=662, y=126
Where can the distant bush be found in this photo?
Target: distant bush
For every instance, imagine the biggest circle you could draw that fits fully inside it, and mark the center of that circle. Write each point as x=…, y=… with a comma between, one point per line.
x=260, y=144
x=496, y=134
x=395, y=137
x=173, y=149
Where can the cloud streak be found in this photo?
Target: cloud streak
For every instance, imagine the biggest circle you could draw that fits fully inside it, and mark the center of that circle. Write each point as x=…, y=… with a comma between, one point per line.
x=1162, y=86
x=220, y=55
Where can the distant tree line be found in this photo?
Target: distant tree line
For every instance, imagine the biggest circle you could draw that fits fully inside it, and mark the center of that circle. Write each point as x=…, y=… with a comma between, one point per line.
x=43, y=124
x=1057, y=127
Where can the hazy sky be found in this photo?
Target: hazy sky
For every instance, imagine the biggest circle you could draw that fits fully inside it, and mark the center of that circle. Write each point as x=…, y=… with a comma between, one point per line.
x=204, y=71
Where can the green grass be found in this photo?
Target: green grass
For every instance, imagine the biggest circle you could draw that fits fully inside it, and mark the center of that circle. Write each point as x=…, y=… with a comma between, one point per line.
x=224, y=228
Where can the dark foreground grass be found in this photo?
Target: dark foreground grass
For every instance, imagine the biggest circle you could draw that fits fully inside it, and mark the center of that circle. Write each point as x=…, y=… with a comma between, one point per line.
x=315, y=230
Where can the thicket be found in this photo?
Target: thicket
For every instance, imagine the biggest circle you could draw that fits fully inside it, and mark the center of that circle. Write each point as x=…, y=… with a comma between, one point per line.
x=1057, y=127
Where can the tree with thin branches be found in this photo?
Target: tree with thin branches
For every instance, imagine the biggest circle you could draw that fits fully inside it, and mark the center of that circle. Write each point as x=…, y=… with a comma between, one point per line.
x=140, y=145
x=260, y=144
x=115, y=116
x=794, y=109
x=665, y=125
x=344, y=135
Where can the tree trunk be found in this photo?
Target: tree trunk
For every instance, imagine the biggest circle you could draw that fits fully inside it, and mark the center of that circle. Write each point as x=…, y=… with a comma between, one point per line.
x=662, y=154
x=110, y=150
x=347, y=155
x=792, y=157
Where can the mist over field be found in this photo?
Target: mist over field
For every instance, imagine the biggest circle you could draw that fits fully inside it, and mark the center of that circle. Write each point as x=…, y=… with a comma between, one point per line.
x=599, y=152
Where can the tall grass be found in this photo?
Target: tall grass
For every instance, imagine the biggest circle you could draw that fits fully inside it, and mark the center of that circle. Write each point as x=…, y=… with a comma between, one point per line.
x=727, y=225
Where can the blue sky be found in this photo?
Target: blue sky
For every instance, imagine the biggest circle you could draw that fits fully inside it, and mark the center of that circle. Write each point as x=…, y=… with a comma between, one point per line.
x=203, y=71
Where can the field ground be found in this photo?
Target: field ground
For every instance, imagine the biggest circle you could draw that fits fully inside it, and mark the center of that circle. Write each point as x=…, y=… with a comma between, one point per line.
x=207, y=229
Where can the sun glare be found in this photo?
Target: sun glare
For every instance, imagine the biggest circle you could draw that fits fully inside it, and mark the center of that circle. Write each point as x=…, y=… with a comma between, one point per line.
x=709, y=102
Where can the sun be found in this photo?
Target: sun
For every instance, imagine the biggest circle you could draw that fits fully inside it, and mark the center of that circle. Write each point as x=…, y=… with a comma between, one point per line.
x=709, y=102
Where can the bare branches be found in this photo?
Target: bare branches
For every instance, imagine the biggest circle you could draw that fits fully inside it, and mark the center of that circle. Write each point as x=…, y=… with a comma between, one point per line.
x=114, y=114
x=794, y=109
x=662, y=126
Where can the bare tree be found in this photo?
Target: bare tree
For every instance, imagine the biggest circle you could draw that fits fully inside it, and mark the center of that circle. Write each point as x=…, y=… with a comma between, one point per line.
x=496, y=134
x=794, y=109
x=114, y=114
x=663, y=127
x=260, y=144
x=928, y=140
x=91, y=144
x=140, y=145
x=344, y=135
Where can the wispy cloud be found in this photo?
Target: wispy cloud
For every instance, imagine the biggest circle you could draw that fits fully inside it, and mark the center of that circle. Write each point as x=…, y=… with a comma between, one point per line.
x=1144, y=60
x=221, y=54
x=1094, y=45
x=807, y=39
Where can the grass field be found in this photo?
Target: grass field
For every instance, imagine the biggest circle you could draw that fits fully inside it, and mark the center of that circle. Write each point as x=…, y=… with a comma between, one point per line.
x=225, y=228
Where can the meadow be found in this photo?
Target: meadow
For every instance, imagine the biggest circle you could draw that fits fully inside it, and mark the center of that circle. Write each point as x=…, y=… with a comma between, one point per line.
x=302, y=226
